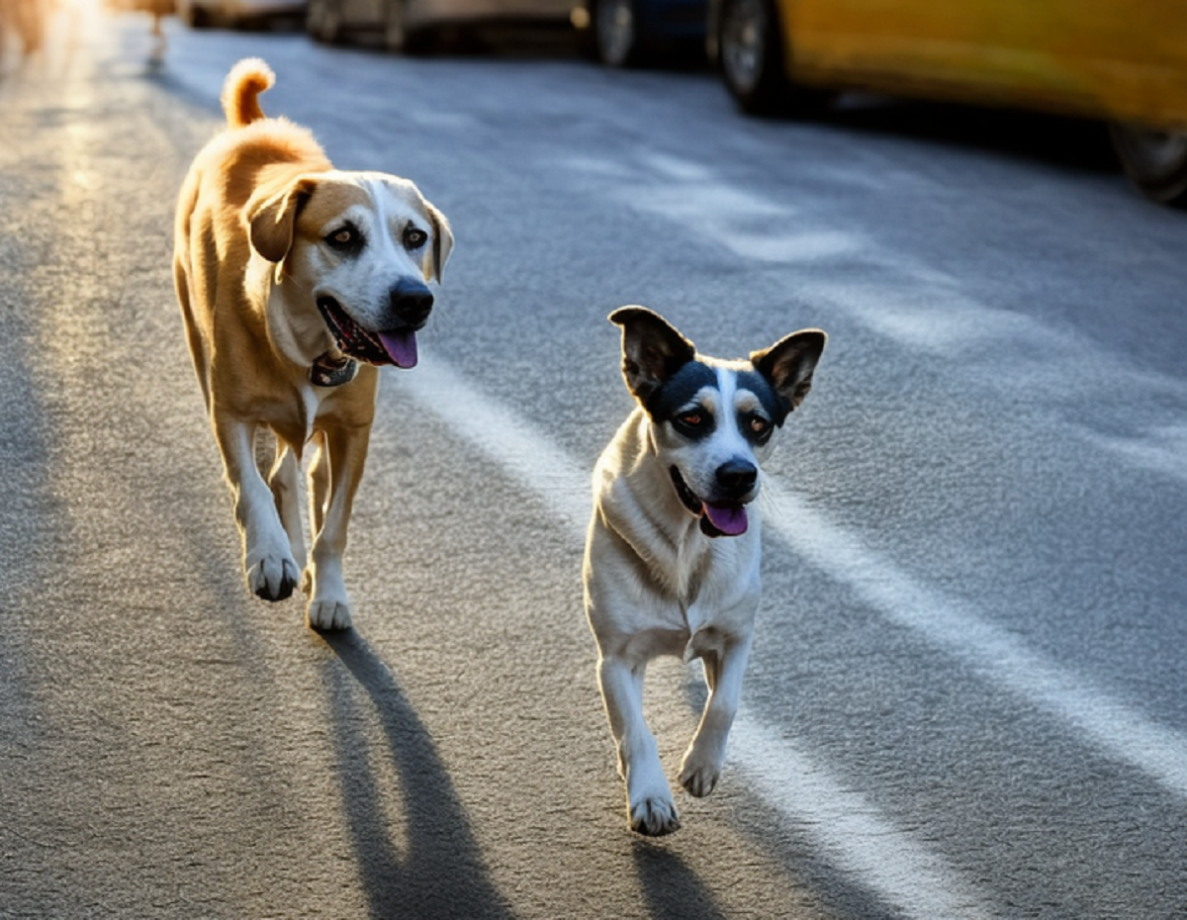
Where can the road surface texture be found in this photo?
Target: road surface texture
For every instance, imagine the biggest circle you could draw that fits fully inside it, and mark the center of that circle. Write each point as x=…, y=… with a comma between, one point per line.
x=968, y=697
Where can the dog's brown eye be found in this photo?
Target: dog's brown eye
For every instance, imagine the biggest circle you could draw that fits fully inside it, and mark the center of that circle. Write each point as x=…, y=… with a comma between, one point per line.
x=414, y=238
x=760, y=428
x=346, y=240
x=694, y=423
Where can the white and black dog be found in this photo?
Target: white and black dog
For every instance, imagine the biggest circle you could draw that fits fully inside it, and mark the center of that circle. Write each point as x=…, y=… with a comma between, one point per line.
x=672, y=555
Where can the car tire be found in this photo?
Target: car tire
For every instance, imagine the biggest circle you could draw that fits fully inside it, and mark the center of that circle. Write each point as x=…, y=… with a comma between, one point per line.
x=750, y=53
x=1155, y=161
x=323, y=20
x=397, y=36
x=198, y=17
x=616, y=38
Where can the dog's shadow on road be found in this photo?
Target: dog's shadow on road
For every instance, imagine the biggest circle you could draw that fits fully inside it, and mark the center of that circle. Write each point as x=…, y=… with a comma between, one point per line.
x=670, y=887
x=436, y=870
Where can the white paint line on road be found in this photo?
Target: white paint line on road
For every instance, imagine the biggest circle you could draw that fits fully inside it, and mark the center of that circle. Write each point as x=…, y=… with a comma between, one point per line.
x=935, y=316
x=844, y=824
x=1123, y=732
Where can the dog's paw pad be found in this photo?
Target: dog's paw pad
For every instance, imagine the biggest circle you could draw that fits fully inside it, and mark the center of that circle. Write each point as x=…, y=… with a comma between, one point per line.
x=329, y=615
x=654, y=817
x=699, y=781
x=272, y=578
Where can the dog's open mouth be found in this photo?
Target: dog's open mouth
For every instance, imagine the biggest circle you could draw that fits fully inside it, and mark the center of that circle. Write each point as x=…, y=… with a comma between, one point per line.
x=396, y=346
x=718, y=519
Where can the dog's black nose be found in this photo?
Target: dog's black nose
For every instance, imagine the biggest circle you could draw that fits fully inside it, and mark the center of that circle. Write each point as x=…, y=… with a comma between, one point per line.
x=737, y=477
x=411, y=301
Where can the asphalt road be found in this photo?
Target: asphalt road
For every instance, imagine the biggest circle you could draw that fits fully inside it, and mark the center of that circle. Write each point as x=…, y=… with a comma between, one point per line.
x=967, y=698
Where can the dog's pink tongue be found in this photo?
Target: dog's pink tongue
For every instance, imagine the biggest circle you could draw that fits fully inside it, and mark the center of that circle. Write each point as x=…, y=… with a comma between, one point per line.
x=729, y=519
x=400, y=347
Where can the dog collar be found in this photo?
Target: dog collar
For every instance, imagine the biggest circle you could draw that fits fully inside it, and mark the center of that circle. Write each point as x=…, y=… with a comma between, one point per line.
x=328, y=372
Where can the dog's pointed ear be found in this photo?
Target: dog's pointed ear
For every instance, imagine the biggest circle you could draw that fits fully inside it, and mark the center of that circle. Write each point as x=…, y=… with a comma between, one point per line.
x=652, y=350
x=272, y=217
x=434, y=266
x=789, y=363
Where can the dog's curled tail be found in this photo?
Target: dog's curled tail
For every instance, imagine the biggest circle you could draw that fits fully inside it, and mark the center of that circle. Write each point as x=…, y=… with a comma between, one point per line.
x=244, y=83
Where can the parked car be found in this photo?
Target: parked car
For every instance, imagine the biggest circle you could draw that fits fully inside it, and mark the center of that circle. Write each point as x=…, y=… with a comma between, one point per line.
x=627, y=33
x=1124, y=61
x=408, y=25
x=203, y=14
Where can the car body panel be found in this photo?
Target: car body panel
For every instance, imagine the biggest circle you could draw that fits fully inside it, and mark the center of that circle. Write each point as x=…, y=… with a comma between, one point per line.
x=369, y=14
x=1120, y=59
x=238, y=10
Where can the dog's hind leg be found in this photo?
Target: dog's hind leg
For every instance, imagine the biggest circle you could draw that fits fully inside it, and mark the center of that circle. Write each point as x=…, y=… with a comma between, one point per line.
x=285, y=482
x=268, y=564
x=650, y=809
x=345, y=450
x=724, y=668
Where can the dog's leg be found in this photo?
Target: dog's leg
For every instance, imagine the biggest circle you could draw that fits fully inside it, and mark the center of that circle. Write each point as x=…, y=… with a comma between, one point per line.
x=267, y=558
x=285, y=482
x=319, y=496
x=650, y=809
x=724, y=667
x=346, y=453
x=319, y=482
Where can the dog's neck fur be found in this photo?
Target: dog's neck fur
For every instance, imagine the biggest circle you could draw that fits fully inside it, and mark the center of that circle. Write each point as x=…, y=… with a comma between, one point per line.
x=299, y=336
x=296, y=344
x=644, y=510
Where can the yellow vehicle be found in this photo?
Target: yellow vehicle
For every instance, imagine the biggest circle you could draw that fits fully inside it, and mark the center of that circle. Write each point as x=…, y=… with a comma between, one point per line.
x=1124, y=61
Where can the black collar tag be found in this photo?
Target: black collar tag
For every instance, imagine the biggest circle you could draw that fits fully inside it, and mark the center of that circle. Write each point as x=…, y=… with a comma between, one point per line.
x=327, y=372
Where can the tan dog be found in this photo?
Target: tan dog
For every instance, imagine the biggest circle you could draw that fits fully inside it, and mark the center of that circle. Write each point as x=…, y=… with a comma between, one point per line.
x=296, y=281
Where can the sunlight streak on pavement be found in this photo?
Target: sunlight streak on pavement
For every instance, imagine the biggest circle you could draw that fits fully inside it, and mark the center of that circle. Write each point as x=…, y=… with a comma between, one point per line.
x=848, y=829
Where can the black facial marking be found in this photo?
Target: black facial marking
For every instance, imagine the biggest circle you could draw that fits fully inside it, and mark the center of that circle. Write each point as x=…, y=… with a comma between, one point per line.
x=346, y=240
x=666, y=402
x=772, y=403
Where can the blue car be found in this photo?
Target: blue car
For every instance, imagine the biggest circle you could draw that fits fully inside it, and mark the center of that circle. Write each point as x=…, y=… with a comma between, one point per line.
x=629, y=33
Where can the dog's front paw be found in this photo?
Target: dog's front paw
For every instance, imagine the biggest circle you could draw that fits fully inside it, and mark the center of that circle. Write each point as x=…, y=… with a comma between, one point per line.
x=328, y=614
x=654, y=817
x=271, y=576
x=329, y=603
x=698, y=777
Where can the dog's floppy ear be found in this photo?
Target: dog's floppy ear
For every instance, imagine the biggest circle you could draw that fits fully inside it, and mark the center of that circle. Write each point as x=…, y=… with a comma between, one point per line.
x=652, y=350
x=272, y=217
x=442, y=244
x=789, y=363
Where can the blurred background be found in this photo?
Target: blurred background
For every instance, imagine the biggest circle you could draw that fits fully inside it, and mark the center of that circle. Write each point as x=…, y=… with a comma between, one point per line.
x=1124, y=63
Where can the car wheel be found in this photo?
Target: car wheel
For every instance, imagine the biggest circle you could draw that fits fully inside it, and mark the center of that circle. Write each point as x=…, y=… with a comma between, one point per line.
x=751, y=55
x=198, y=17
x=1155, y=161
x=616, y=33
x=323, y=20
x=396, y=34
